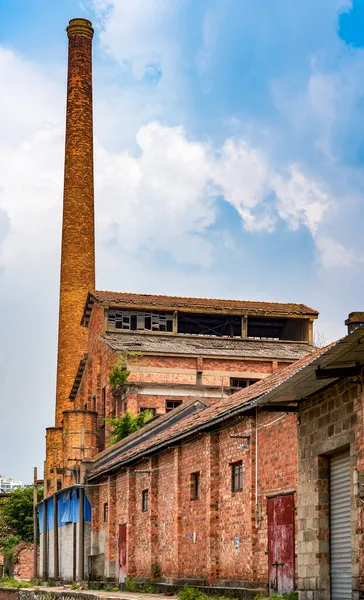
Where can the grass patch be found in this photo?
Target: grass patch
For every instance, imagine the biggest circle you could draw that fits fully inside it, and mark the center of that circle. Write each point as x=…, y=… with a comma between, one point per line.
x=14, y=583
x=189, y=593
x=291, y=596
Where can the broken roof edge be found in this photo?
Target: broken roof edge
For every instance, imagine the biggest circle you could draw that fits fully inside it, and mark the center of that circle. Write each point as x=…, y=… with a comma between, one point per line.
x=239, y=307
x=230, y=412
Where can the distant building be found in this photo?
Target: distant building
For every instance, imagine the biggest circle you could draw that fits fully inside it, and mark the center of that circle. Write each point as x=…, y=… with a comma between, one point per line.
x=8, y=485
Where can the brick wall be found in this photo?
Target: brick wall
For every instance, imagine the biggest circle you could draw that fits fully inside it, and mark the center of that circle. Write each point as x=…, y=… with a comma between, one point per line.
x=163, y=373
x=330, y=422
x=194, y=538
x=24, y=561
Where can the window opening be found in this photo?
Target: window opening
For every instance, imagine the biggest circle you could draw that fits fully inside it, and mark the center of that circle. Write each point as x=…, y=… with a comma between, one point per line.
x=195, y=485
x=239, y=383
x=103, y=402
x=145, y=500
x=140, y=321
x=106, y=512
x=237, y=476
x=202, y=324
x=171, y=404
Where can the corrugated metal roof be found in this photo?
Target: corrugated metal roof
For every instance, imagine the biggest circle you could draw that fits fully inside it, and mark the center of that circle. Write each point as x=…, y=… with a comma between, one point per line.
x=206, y=346
x=345, y=352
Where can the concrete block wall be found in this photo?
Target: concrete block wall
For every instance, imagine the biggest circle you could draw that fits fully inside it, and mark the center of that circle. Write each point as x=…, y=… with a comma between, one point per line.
x=330, y=422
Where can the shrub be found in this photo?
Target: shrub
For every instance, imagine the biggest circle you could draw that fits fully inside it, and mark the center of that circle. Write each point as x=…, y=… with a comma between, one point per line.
x=123, y=426
x=188, y=593
x=130, y=585
x=156, y=571
x=14, y=583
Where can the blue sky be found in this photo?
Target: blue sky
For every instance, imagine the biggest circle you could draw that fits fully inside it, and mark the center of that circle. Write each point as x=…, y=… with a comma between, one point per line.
x=229, y=151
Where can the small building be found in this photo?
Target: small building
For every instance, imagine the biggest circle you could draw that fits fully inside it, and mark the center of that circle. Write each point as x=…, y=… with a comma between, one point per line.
x=8, y=485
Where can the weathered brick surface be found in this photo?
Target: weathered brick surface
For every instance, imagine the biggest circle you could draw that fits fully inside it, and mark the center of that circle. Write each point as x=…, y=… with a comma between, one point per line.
x=78, y=245
x=155, y=371
x=329, y=423
x=73, y=423
x=24, y=561
x=195, y=538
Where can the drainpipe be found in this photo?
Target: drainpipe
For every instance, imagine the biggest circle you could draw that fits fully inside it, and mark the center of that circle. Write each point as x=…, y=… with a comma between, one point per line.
x=81, y=540
x=55, y=538
x=45, y=542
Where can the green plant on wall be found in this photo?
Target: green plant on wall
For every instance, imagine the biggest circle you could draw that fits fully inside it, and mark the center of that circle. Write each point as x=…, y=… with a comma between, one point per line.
x=118, y=377
x=123, y=426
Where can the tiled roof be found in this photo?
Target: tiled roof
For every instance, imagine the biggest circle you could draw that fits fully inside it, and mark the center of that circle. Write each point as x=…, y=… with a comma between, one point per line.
x=223, y=409
x=197, y=304
x=192, y=346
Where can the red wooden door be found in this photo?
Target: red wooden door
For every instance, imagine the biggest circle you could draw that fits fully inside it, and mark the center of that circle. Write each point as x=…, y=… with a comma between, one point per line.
x=122, y=553
x=281, y=544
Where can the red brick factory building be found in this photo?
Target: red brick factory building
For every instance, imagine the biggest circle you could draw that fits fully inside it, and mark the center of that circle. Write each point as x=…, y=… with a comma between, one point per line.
x=206, y=492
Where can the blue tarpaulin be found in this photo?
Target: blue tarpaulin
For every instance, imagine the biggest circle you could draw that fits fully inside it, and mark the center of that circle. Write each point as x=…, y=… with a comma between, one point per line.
x=68, y=508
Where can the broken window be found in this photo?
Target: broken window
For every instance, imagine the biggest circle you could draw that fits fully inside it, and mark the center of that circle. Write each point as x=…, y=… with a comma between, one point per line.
x=237, y=476
x=171, y=404
x=201, y=324
x=140, y=321
x=195, y=485
x=239, y=383
x=145, y=500
x=278, y=329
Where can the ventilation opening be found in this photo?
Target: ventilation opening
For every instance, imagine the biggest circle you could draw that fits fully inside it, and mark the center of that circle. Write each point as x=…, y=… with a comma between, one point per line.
x=199, y=324
x=277, y=329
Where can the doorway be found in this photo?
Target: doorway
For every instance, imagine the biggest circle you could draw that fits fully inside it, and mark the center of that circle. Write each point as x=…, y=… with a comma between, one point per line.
x=281, y=543
x=122, y=553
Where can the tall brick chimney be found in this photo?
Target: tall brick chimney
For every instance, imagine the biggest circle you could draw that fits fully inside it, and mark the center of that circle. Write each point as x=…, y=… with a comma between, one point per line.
x=78, y=238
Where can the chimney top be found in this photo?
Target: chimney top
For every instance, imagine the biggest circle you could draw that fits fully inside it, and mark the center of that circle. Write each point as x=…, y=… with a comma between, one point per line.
x=80, y=27
x=354, y=320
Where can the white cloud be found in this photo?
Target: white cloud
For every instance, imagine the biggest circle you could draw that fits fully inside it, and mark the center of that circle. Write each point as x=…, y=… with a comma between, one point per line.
x=301, y=200
x=136, y=33
x=160, y=200
x=333, y=254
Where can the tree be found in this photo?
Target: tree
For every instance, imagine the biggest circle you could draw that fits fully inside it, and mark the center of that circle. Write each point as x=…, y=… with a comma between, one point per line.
x=319, y=339
x=16, y=518
x=123, y=426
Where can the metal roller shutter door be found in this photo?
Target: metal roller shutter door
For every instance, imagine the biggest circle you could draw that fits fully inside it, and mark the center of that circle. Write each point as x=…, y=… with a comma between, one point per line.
x=340, y=528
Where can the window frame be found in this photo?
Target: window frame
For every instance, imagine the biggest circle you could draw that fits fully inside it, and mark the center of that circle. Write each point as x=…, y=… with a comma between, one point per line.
x=195, y=485
x=145, y=500
x=236, y=476
x=248, y=382
x=106, y=512
x=174, y=407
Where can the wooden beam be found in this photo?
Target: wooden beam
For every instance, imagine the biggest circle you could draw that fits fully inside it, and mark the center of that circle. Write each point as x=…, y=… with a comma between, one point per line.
x=340, y=372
